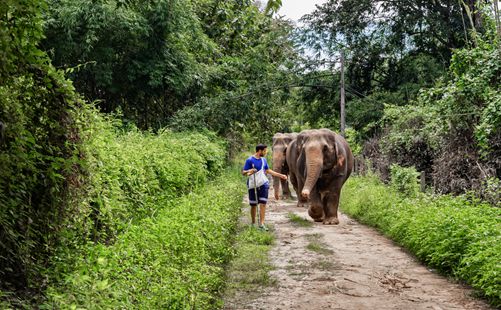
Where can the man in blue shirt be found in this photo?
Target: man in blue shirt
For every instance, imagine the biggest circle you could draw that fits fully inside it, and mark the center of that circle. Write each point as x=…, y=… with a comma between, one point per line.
x=257, y=166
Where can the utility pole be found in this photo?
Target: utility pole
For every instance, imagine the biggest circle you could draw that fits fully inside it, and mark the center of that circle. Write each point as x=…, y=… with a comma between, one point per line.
x=343, y=122
x=498, y=22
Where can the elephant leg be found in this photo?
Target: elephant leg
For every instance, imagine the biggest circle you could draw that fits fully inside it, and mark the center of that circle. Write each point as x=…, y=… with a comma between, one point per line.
x=286, y=194
x=301, y=201
x=316, y=209
x=330, y=205
x=295, y=184
x=292, y=179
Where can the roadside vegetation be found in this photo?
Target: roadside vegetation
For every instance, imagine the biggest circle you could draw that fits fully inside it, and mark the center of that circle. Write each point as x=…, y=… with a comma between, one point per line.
x=174, y=260
x=118, y=121
x=249, y=271
x=458, y=236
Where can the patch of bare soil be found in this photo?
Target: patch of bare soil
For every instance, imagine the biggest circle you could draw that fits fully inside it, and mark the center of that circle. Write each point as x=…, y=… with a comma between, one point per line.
x=347, y=266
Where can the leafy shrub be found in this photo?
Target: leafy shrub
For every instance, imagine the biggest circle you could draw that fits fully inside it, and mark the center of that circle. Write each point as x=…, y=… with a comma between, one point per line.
x=453, y=124
x=132, y=172
x=131, y=176
x=352, y=137
x=410, y=138
x=172, y=261
x=458, y=236
x=40, y=148
x=491, y=191
x=404, y=179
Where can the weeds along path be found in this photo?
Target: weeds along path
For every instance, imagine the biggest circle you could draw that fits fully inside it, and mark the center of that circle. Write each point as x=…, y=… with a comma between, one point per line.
x=348, y=266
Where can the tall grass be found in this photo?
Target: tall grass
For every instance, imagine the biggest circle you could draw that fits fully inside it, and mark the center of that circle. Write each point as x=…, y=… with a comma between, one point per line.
x=134, y=201
x=130, y=175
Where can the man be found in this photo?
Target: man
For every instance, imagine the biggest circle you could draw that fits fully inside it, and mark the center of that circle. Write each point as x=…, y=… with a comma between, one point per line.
x=256, y=167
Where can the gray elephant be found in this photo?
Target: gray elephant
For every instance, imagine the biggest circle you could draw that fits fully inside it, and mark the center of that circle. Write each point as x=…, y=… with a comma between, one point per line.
x=319, y=162
x=279, y=147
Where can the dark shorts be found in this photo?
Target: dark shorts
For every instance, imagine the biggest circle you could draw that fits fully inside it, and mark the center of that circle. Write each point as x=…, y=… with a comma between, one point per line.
x=262, y=194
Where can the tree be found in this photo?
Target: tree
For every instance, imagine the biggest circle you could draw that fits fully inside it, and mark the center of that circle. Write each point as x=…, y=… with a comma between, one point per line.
x=40, y=149
x=146, y=58
x=392, y=47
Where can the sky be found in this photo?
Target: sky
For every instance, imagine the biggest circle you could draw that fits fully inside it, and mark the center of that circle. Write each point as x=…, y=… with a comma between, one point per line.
x=294, y=9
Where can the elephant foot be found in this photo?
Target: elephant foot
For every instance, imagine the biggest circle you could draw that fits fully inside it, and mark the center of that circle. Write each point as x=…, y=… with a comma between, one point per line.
x=331, y=221
x=316, y=213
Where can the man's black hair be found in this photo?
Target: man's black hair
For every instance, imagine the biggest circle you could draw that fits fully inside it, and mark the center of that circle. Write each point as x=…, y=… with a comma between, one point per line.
x=260, y=147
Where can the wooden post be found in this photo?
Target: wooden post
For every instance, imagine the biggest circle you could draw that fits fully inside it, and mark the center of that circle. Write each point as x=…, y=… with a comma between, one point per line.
x=423, y=181
x=343, y=121
x=497, y=21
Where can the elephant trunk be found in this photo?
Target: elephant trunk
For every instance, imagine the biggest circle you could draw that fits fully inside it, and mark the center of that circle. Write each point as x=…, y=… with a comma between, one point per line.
x=278, y=162
x=314, y=163
x=276, y=187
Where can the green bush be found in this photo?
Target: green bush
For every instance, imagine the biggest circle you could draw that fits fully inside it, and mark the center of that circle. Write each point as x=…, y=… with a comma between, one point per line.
x=404, y=180
x=133, y=172
x=40, y=148
x=455, y=235
x=131, y=175
x=172, y=261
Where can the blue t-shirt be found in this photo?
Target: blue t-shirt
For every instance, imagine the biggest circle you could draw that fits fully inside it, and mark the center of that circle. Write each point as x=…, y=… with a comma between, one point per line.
x=257, y=163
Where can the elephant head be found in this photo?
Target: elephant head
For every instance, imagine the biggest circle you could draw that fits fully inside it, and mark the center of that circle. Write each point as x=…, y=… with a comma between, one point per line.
x=320, y=153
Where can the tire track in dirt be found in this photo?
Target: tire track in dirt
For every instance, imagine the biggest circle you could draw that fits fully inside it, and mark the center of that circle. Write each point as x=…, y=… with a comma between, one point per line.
x=355, y=267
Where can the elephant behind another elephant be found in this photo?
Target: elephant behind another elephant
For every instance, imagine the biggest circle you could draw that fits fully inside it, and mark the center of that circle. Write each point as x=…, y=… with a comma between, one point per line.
x=279, y=147
x=320, y=161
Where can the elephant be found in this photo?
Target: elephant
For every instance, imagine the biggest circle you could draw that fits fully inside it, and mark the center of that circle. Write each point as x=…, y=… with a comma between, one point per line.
x=291, y=156
x=320, y=161
x=279, y=147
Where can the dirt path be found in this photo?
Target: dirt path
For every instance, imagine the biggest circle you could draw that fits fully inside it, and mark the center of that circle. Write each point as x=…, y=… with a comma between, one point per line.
x=349, y=266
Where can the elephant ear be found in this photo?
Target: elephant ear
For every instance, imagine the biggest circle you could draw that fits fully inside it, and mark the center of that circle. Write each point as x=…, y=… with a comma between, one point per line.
x=299, y=143
x=340, y=157
x=285, y=167
x=340, y=160
x=295, y=147
x=339, y=154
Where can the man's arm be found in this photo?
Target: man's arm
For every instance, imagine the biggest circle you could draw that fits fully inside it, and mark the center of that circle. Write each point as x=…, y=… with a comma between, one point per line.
x=276, y=174
x=248, y=168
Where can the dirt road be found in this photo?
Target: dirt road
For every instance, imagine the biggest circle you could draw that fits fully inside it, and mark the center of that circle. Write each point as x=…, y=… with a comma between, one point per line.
x=348, y=266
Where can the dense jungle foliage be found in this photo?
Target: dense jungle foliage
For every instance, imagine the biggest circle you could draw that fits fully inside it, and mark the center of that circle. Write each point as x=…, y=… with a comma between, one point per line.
x=114, y=114
x=187, y=64
x=40, y=148
x=423, y=83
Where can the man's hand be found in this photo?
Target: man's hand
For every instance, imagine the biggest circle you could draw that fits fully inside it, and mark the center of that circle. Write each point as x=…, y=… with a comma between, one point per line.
x=283, y=176
x=251, y=171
